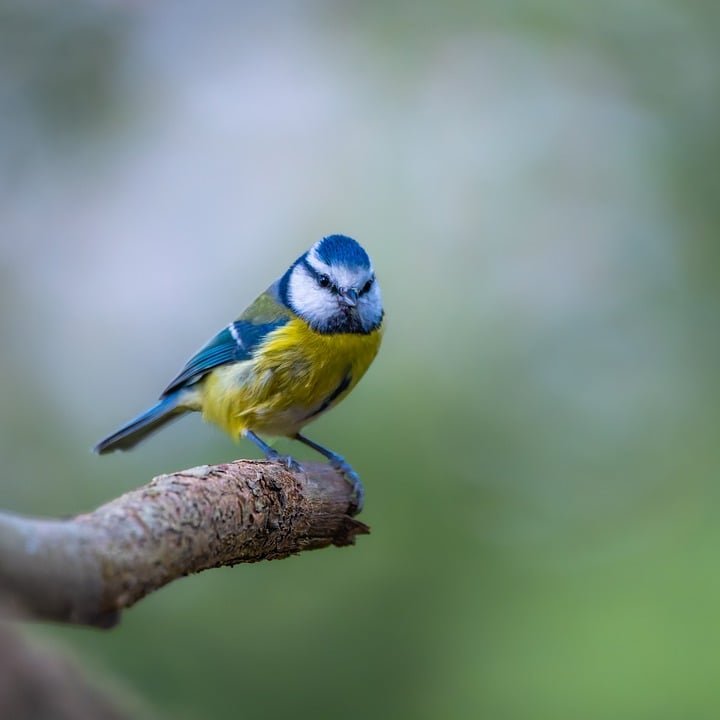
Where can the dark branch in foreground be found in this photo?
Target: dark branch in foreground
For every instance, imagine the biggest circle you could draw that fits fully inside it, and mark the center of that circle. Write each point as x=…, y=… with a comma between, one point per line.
x=40, y=681
x=87, y=569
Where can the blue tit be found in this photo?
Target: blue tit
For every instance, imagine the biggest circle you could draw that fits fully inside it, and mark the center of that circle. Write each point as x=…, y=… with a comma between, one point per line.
x=295, y=353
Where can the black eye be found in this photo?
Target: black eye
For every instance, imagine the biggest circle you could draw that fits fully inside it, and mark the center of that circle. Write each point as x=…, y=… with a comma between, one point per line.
x=366, y=287
x=324, y=281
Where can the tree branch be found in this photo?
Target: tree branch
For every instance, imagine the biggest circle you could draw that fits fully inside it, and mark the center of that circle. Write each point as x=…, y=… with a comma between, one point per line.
x=39, y=681
x=87, y=569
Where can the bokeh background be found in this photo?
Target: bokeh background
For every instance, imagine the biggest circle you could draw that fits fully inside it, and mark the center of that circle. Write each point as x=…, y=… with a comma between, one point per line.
x=539, y=186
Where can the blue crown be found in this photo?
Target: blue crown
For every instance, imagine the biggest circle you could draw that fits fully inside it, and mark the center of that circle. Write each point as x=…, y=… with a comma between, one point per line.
x=342, y=250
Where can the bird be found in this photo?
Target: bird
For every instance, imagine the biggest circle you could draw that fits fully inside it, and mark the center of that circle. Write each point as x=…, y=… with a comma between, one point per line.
x=291, y=356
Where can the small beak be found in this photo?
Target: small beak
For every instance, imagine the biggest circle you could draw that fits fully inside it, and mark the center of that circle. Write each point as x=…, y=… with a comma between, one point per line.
x=349, y=297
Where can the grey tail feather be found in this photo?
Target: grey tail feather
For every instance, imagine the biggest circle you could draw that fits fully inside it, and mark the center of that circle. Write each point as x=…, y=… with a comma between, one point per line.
x=143, y=425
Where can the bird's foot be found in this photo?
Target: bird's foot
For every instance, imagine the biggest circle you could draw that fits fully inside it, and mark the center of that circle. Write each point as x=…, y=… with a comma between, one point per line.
x=287, y=460
x=357, y=500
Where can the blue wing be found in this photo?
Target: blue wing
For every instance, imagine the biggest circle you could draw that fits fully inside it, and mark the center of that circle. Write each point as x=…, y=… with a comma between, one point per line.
x=234, y=343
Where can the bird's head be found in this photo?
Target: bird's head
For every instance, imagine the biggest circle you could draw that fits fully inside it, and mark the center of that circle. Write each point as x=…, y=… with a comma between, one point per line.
x=333, y=287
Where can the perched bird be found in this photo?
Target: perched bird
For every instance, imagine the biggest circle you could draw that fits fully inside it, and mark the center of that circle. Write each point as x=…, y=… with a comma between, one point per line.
x=296, y=352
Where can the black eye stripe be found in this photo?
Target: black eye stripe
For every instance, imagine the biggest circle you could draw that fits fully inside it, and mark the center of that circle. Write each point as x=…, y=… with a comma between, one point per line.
x=320, y=278
x=366, y=287
x=324, y=281
x=311, y=269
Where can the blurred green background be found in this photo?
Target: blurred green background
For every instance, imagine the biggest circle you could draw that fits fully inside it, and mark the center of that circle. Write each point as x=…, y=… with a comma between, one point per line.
x=539, y=186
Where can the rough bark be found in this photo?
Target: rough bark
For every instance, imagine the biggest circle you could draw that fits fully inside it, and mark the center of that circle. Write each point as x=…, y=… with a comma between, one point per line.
x=87, y=569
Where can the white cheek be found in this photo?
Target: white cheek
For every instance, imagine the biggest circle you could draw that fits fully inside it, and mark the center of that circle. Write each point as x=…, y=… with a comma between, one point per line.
x=370, y=307
x=314, y=303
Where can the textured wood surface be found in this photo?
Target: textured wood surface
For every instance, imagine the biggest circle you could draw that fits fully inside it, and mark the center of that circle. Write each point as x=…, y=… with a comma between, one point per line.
x=89, y=568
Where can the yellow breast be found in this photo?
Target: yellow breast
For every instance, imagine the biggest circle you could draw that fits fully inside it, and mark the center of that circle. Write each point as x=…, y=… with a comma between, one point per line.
x=294, y=376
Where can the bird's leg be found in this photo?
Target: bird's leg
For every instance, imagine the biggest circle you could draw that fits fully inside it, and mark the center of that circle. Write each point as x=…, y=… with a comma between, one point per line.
x=271, y=453
x=342, y=466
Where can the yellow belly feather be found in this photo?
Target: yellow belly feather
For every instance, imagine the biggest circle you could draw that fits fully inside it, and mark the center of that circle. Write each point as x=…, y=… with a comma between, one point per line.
x=286, y=383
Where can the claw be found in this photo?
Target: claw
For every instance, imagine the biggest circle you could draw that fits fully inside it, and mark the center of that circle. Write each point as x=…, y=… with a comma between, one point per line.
x=287, y=460
x=358, y=491
x=338, y=462
x=291, y=463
